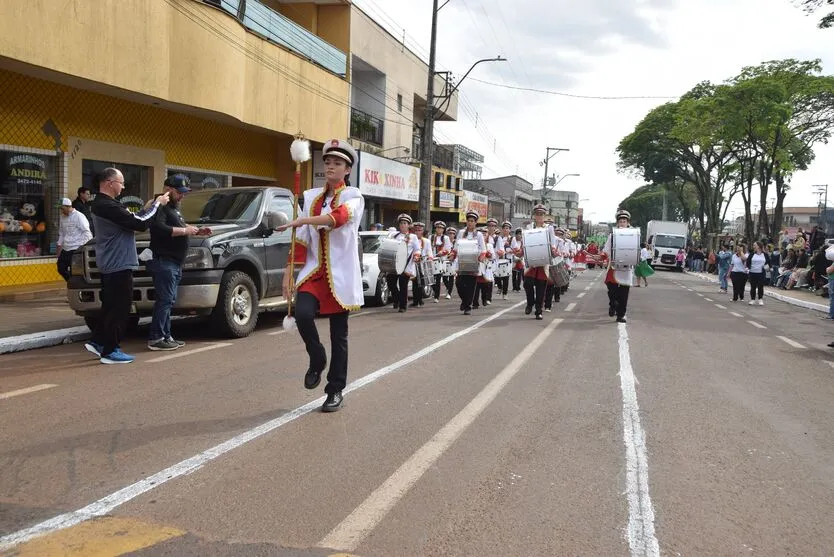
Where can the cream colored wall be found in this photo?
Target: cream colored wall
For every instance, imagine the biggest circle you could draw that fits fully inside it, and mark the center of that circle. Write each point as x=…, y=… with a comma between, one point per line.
x=148, y=47
x=405, y=74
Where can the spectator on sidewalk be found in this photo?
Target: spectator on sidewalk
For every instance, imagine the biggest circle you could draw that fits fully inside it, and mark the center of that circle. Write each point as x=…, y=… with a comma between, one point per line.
x=816, y=239
x=82, y=205
x=738, y=273
x=680, y=258
x=711, y=260
x=775, y=262
x=116, y=259
x=169, y=243
x=73, y=233
x=829, y=255
x=725, y=257
x=757, y=265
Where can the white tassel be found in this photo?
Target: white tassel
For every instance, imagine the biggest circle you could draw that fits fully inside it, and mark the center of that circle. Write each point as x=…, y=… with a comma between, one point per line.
x=300, y=150
x=289, y=323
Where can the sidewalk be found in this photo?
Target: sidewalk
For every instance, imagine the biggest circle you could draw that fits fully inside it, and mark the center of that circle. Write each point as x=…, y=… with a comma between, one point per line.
x=36, y=316
x=799, y=298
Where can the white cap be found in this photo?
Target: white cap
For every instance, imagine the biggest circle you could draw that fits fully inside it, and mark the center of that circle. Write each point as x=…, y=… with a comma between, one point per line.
x=65, y=202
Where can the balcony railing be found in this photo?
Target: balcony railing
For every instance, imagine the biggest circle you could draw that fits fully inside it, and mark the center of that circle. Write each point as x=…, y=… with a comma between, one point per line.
x=274, y=27
x=365, y=127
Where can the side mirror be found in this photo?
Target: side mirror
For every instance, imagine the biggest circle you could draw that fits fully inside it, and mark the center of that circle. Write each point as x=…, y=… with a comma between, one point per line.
x=274, y=220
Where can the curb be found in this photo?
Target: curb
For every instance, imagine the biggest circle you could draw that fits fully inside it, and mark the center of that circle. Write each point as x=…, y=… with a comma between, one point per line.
x=44, y=339
x=775, y=295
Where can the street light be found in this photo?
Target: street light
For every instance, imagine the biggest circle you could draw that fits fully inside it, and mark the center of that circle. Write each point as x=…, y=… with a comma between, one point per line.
x=405, y=149
x=544, y=163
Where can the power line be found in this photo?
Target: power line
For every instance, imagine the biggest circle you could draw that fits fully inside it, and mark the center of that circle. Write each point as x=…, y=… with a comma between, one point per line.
x=572, y=95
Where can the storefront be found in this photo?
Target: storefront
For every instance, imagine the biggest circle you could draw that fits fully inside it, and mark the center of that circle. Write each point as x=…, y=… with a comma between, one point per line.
x=446, y=197
x=471, y=201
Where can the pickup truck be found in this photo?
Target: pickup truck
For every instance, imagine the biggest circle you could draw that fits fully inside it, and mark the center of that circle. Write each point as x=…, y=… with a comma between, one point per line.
x=230, y=275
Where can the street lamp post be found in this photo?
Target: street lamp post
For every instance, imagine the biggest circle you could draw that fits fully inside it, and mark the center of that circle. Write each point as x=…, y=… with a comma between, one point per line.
x=822, y=189
x=544, y=163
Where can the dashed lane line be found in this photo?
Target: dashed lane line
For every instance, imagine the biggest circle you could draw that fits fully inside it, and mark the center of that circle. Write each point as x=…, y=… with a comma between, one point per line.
x=707, y=299
x=179, y=354
x=829, y=363
x=757, y=325
x=699, y=294
x=736, y=314
x=27, y=390
x=790, y=342
x=570, y=306
x=719, y=306
x=580, y=295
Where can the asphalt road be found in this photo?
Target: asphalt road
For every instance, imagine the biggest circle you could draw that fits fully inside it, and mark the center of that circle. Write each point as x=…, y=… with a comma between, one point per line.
x=702, y=427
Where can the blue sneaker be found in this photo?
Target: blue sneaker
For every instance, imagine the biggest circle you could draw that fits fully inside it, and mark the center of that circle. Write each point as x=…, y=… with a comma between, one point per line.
x=117, y=357
x=94, y=348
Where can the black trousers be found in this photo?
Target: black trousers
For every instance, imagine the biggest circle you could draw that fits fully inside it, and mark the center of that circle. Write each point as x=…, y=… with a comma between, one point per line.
x=552, y=293
x=518, y=274
x=416, y=293
x=65, y=263
x=466, y=290
x=618, y=298
x=116, y=301
x=438, y=280
x=306, y=308
x=738, y=279
x=535, y=290
x=757, y=281
x=483, y=292
x=503, y=285
x=450, y=284
x=398, y=286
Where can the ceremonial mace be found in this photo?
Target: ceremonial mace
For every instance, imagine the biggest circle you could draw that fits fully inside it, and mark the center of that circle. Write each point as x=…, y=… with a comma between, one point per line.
x=300, y=153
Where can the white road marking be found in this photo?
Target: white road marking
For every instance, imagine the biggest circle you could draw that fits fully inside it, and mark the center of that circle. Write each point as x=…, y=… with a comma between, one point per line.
x=699, y=294
x=829, y=363
x=689, y=289
x=757, y=325
x=352, y=530
x=707, y=299
x=736, y=314
x=27, y=390
x=108, y=503
x=276, y=333
x=719, y=306
x=641, y=536
x=588, y=287
x=570, y=306
x=580, y=295
x=179, y=354
x=793, y=343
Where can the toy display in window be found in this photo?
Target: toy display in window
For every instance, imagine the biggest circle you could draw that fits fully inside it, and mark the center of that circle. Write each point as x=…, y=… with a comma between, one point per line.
x=17, y=226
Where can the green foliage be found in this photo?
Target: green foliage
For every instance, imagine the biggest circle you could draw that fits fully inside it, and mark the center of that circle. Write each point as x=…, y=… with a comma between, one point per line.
x=812, y=6
x=646, y=203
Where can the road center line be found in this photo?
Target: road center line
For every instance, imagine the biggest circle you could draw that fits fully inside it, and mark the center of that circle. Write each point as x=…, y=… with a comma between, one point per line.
x=580, y=295
x=641, y=536
x=719, y=306
x=699, y=294
x=793, y=343
x=179, y=354
x=352, y=530
x=570, y=306
x=829, y=363
x=587, y=287
x=757, y=325
x=689, y=289
x=707, y=299
x=27, y=390
x=736, y=314
x=108, y=503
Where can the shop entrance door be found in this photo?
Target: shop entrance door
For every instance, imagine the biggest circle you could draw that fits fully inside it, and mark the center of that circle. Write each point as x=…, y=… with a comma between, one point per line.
x=137, y=181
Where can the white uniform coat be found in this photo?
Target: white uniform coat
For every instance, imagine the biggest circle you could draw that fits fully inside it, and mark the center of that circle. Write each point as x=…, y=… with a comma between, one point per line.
x=623, y=275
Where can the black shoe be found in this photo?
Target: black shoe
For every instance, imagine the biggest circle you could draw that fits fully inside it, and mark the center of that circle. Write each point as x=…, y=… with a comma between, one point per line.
x=528, y=310
x=333, y=402
x=401, y=310
x=467, y=312
x=831, y=344
x=539, y=316
x=621, y=320
x=611, y=312
x=312, y=378
x=414, y=305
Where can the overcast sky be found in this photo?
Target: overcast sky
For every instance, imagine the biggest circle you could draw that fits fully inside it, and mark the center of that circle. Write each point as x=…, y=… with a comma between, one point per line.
x=604, y=48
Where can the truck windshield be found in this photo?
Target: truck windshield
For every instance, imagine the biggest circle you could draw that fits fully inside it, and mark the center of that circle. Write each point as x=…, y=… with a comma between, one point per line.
x=218, y=206
x=666, y=241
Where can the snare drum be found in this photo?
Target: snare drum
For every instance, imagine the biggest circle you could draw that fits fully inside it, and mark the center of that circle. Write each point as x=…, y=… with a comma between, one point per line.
x=424, y=273
x=393, y=256
x=537, y=243
x=437, y=266
x=503, y=269
x=625, y=247
x=468, y=253
x=559, y=273
x=448, y=268
x=486, y=269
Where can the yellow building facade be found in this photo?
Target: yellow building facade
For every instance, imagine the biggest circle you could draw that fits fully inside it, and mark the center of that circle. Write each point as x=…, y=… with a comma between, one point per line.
x=153, y=87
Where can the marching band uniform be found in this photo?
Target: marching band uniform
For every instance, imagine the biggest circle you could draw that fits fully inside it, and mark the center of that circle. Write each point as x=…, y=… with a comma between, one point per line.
x=535, y=278
x=483, y=285
x=330, y=280
x=553, y=293
x=466, y=282
x=441, y=246
x=449, y=281
x=504, y=253
x=518, y=257
x=425, y=254
x=398, y=284
x=618, y=281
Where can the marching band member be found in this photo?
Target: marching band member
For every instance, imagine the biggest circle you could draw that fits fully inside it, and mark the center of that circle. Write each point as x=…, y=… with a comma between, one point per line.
x=518, y=256
x=535, y=279
x=466, y=282
x=330, y=280
x=618, y=281
x=449, y=281
x=483, y=285
x=425, y=254
x=398, y=284
x=504, y=253
x=553, y=293
x=441, y=246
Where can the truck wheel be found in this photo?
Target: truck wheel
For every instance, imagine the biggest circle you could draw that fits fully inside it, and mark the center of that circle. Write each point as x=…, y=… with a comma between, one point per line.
x=236, y=312
x=382, y=293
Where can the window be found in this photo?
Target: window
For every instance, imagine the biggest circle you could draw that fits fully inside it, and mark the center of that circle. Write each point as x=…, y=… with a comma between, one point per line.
x=450, y=182
x=29, y=196
x=282, y=204
x=137, y=181
x=399, y=103
x=438, y=180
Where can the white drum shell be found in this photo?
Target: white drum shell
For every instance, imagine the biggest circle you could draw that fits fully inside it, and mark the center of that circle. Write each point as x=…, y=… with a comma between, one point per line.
x=468, y=253
x=625, y=247
x=504, y=268
x=392, y=256
x=537, y=243
x=438, y=266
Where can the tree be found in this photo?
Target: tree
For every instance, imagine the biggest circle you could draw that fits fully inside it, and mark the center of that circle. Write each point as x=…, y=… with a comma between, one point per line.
x=812, y=6
x=646, y=203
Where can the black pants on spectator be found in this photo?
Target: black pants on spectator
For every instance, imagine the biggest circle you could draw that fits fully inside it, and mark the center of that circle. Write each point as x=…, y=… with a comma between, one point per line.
x=65, y=263
x=398, y=286
x=466, y=290
x=116, y=301
x=757, y=281
x=518, y=274
x=306, y=307
x=618, y=298
x=738, y=279
x=535, y=290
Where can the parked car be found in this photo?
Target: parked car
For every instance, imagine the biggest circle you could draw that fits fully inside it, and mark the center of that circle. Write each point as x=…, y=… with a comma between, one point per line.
x=373, y=282
x=230, y=275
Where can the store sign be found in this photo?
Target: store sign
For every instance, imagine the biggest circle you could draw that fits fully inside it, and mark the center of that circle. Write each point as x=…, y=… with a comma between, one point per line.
x=471, y=201
x=29, y=173
x=446, y=200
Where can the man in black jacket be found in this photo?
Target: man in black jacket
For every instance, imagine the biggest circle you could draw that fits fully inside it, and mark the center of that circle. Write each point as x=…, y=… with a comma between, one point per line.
x=169, y=243
x=82, y=205
x=116, y=260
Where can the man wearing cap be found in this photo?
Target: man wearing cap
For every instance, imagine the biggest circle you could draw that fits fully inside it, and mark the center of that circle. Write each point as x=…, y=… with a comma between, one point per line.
x=467, y=281
x=330, y=280
x=425, y=254
x=398, y=284
x=169, y=243
x=441, y=246
x=536, y=279
x=618, y=280
x=73, y=232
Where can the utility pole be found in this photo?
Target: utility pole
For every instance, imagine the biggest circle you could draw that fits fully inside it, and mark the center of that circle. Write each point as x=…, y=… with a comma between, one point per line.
x=545, y=163
x=428, y=128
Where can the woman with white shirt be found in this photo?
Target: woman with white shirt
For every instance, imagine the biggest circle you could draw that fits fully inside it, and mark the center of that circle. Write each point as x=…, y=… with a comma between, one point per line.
x=738, y=273
x=756, y=263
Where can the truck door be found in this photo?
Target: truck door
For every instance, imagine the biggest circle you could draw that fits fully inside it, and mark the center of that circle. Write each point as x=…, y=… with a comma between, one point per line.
x=277, y=246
